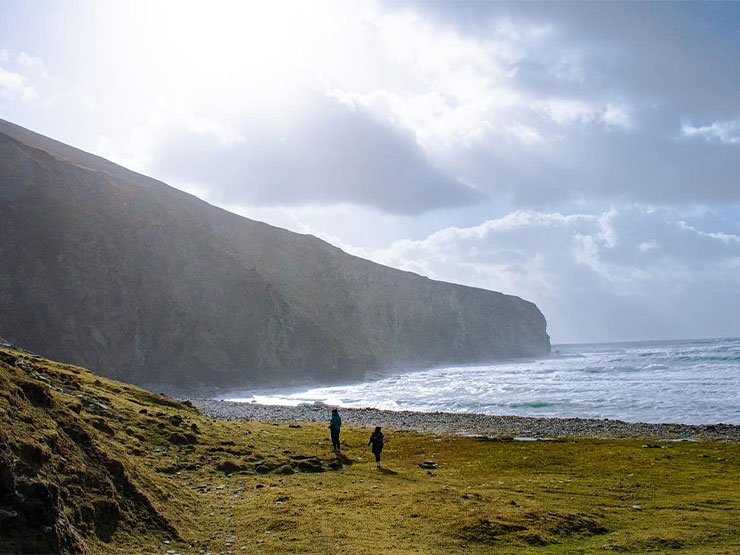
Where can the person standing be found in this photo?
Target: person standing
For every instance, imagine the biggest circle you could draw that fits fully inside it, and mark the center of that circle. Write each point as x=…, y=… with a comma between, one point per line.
x=376, y=440
x=334, y=427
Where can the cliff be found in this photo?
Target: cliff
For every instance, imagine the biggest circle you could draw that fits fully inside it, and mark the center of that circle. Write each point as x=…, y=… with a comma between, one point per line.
x=104, y=267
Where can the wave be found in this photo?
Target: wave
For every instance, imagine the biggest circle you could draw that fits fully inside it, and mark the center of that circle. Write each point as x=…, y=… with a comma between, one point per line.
x=680, y=381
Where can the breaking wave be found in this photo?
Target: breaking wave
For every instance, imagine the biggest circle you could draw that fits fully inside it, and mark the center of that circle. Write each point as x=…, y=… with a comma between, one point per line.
x=691, y=382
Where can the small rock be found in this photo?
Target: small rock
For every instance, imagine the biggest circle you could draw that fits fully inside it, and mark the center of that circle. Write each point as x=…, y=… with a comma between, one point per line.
x=176, y=420
x=429, y=464
x=637, y=507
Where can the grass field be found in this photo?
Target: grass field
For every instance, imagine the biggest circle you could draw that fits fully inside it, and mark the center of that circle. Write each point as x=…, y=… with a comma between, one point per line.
x=127, y=470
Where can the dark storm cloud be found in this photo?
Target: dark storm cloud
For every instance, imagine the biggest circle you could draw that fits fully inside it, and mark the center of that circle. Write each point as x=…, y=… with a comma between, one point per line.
x=328, y=153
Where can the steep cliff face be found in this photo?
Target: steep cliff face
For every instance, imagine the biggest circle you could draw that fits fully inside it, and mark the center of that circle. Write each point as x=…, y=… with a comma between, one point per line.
x=108, y=268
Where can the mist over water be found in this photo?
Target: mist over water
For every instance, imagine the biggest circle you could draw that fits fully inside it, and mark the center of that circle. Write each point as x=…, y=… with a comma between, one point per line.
x=690, y=382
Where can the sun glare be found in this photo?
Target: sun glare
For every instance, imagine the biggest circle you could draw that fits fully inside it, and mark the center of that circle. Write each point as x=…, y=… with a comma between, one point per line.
x=228, y=44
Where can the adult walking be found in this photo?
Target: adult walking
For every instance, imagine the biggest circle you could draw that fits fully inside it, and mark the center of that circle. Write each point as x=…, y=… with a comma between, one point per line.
x=376, y=440
x=334, y=426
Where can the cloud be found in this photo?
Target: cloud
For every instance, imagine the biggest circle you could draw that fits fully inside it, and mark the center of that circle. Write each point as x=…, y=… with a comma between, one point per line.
x=565, y=102
x=442, y=105
x=14, y=85
x=722, y=131
x=628, y=273
x=26, y=87
x=327, y=152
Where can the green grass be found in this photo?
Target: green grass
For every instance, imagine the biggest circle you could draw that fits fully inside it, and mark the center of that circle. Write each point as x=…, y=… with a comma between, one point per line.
x=137, y=473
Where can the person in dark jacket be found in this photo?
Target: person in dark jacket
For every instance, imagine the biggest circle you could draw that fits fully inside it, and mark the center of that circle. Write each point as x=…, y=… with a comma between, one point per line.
x=376, y=440
x=334, y=427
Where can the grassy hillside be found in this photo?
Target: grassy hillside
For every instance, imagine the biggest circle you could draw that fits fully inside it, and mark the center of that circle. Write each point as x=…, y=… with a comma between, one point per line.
x=89, y=464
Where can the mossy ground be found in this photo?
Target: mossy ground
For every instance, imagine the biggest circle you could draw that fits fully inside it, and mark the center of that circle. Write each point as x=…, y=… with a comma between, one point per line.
x=133, y=470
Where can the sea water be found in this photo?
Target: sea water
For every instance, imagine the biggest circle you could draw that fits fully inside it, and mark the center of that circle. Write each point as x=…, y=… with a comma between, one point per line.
x=690, y=382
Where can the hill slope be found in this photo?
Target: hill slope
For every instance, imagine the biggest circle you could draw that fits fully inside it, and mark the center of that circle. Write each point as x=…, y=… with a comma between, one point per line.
x=105, y=267
x=90, y=465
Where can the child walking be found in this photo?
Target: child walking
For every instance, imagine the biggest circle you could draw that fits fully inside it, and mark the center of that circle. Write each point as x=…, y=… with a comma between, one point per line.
x=376, y=440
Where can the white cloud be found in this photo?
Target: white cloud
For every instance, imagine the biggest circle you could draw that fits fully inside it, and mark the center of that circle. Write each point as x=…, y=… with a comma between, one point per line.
x=525, y=133
x=617, y=117
x=461, y=90
x=25, y=83
x=722, y=131
x=627, y=273
x=15, y=86
x=647, y=246
x=566, y=112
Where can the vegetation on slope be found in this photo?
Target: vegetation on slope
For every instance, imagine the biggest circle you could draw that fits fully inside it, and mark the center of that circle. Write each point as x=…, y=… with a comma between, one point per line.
x=92, y=465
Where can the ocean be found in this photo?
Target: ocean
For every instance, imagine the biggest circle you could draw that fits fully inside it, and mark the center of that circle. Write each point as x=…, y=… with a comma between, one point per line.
x=686, y=381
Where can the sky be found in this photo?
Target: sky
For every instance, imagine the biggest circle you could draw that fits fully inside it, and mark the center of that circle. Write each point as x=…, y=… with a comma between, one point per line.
x=584, y=156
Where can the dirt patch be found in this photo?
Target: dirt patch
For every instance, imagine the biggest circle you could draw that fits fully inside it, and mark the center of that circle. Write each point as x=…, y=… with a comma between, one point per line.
x=536, y=529
x=32, y=518
x=178, y=438
x=37, y=394
x=490, y=531
x=107, y=515
x=564, y=525
x=311, y=465
x=8, y=359
x=229, y=465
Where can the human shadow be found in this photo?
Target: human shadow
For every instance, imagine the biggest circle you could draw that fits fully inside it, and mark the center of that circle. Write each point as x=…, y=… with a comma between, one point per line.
x=388, y=471
x=344, y=459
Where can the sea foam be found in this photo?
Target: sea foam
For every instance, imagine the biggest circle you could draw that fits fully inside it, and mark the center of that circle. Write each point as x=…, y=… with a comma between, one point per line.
x=690, y=382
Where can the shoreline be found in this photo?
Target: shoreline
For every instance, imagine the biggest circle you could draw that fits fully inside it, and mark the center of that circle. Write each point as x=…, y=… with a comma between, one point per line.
x=472, y=424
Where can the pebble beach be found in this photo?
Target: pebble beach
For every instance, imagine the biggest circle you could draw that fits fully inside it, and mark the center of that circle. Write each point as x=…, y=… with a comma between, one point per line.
x=483, y=425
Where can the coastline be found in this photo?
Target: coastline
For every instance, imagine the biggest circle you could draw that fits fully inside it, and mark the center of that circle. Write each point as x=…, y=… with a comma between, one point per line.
x=474, y=424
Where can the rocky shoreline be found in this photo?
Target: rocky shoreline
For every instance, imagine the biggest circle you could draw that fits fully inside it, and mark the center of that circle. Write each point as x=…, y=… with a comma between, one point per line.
x=471, y=424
